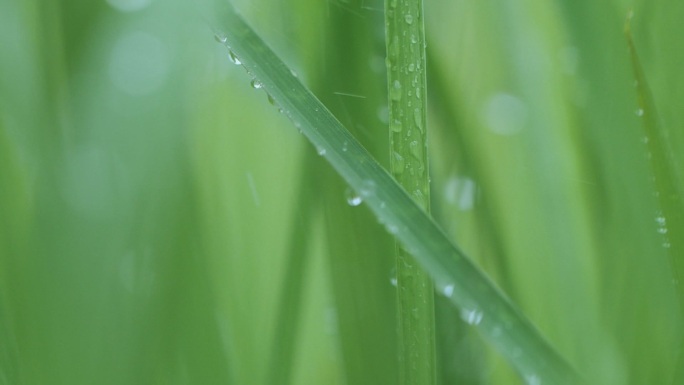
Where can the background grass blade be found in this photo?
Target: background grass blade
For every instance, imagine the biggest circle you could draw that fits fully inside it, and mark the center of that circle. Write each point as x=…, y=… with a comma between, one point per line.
x=405, y=41
x=496, y=317
x=359, y=250
x=290, y=303
x=666, y=179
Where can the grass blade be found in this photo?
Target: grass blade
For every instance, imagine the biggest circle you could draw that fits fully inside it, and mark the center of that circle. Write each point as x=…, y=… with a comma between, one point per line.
x=496, y=317
x=405, y=34
x=667, y=180
x=292, y=289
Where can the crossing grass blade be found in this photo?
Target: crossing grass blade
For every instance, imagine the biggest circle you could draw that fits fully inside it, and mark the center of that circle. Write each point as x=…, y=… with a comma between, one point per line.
x=495, y=316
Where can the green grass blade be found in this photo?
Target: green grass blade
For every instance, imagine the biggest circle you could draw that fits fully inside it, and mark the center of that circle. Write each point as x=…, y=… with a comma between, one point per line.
x=405, y=34
x=662, y=162
x=290, y=303
x=667, y=180
x=482, y=303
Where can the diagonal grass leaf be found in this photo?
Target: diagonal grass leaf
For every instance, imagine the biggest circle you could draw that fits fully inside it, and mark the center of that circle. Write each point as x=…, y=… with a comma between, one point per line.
x=482, y=303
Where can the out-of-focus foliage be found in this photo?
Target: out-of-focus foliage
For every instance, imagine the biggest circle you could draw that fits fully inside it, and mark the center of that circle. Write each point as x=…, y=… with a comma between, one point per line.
x=150, y=198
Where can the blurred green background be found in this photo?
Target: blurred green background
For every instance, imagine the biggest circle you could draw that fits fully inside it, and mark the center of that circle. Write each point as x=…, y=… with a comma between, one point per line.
x=162, y=223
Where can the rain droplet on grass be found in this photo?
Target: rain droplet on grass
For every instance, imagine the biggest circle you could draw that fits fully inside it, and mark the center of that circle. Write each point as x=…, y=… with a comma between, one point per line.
x=395, y=90
x=395, y=126
x=353, y=199
x=320, y=150
x=367, y=188
x=418, y=118
x=398, y=163
x=233, y=58
x=639, y=112
x=416, y=150
x=419, y=197
x=471, y=316
x=448, y=290
x=408, y=18
x=256, y=84
x=221, y=38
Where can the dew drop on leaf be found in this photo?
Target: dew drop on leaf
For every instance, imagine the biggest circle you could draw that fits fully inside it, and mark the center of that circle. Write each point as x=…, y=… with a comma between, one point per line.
x=353, y=199
x=471, y=316
x=221, y=38
x=233, y=58
x=256, y=84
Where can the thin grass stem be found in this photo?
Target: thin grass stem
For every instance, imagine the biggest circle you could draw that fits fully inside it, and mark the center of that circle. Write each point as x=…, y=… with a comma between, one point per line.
x=405, y=34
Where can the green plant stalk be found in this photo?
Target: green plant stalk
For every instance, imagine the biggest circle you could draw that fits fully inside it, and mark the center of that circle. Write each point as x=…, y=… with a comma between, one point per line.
x=667, y=180
x=497, y=318
x=662, y=161
x=405, y=34
x=288, y=317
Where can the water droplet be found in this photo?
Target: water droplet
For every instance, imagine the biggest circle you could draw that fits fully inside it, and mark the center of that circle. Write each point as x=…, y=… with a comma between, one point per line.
x=666, y=245
x=320, y=150
x=256, y=84
x=395, y=90
x=414, y=40
x=418, y=118
x=660, y=220
x=395, y=126
x=293, y=73
x=471, y=316
x=393, y=49
x=345, y=146
x=419, y=197
x=639, y=112
x=448, y=290
x=271, y=100
x=408, y=18
x=221, y=38
x=398, y=163
x=233, y=58
x=367, y=189
x=392, y=229
x=662, y=230
x=353, y=199
x=411, y=67
x=416, y=150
